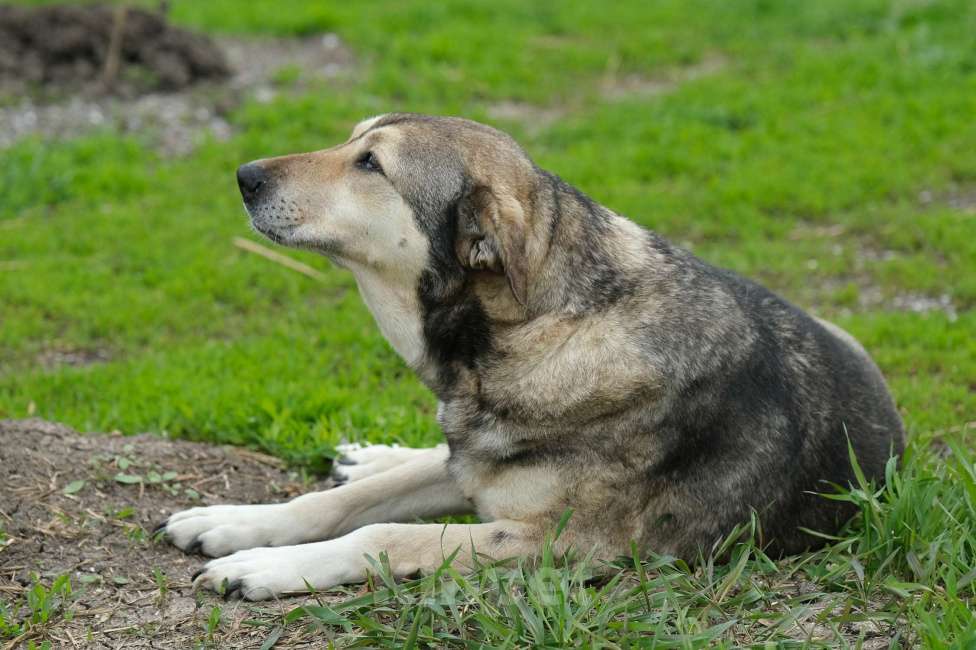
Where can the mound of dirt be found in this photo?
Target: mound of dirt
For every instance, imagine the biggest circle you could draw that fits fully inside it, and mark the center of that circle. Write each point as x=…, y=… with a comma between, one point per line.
x=125, y=49
x=83, y=506
x=171, y=89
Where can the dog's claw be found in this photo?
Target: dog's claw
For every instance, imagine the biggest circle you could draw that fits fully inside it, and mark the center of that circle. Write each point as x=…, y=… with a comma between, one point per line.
x=232, y=591
x=339, y=478
x=197, y=574
x=195, y=546
x=345, y=460
x=160, y=527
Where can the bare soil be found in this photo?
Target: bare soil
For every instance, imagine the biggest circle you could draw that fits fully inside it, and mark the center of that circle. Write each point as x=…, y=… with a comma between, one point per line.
x=98, y=533
x=173, y=86
x=72, y=46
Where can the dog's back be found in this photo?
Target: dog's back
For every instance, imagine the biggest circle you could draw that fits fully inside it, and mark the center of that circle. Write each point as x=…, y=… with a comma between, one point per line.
x=764, y=425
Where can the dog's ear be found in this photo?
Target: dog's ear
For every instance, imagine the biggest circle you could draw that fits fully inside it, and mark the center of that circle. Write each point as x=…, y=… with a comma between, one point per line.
x=491, y=236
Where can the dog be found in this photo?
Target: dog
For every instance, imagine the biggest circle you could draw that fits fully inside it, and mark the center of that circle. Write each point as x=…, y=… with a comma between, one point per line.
x=582, y=364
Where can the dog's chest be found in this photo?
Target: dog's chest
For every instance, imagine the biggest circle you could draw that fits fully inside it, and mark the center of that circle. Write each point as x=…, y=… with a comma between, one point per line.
x=518, y=492
x=481, y=464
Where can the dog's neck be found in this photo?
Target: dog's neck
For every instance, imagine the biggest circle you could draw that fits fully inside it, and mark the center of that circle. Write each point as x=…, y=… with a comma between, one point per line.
x=395, y=306
x=588, y=261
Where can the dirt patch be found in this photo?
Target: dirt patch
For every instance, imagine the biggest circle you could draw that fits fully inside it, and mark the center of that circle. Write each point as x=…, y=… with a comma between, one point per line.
x=56, y=357
x=126, y=50
x=172, y=123
x=868, y=295
x=859, y=287
x=171, y=110
x=612, y=87
x=257, y=62
x=616, y=87
x=83, y=506
x=961, y=198
x=534, y=118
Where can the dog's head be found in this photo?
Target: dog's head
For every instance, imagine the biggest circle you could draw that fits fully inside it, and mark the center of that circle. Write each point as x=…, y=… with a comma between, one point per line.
x=403, y=193
x=417, y=207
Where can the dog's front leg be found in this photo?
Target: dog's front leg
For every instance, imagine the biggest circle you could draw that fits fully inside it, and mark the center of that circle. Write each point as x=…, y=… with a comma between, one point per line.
x=262, y=573
x=418, y=488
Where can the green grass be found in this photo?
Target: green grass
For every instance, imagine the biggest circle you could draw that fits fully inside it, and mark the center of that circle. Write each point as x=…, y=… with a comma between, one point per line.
x=40, y=607
x=829, y=151
x=904, y=567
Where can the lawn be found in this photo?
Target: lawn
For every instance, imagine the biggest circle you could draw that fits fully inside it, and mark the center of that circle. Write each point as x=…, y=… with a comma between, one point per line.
x=827, y=149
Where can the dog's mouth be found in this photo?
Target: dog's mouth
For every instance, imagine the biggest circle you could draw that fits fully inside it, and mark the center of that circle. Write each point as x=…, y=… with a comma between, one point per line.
x=276, y=233
x=270, y=233
x=285, y=235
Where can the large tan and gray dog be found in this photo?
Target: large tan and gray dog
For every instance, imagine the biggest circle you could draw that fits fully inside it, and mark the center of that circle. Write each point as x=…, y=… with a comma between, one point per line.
x=580, y=361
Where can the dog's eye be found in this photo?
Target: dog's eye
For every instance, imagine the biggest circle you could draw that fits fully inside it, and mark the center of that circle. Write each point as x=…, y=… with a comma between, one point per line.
x=368, y=162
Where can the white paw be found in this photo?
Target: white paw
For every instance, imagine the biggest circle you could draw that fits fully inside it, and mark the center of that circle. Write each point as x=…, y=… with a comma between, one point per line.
x=263, y=573
x=357, y=462
x=220, y=530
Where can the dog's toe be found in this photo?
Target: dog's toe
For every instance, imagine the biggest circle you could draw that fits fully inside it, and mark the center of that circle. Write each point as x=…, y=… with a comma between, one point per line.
x=339, y=477
x=263, y=573
x=215, y=531
x=232, y=590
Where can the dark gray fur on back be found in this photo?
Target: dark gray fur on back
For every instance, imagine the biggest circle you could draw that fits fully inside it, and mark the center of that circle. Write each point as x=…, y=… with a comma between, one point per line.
x=716, y=397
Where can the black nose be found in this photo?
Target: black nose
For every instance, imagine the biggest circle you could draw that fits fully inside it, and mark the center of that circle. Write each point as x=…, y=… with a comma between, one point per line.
x=251, y=178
